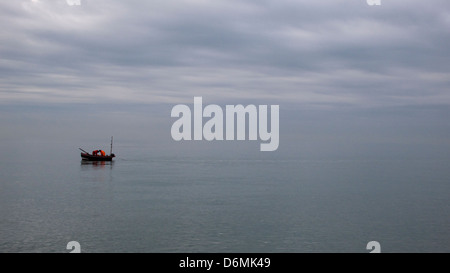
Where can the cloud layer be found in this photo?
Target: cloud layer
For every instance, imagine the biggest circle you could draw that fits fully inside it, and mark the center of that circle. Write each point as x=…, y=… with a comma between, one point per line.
x=307, y=52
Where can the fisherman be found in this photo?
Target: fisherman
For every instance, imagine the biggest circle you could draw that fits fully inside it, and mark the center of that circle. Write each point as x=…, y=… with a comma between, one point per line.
x=102, y=153
x=95, y=152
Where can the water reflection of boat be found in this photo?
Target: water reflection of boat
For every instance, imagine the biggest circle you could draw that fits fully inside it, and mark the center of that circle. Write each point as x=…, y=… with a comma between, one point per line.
x=95, y=157
x=87, y=165
x=96, y=163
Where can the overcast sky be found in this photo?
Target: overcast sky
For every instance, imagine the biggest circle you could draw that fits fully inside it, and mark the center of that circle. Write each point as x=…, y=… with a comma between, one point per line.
x=309, y=52
x=329, y=54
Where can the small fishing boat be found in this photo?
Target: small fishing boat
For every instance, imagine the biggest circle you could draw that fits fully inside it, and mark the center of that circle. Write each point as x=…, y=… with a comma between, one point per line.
x=90, y=157
x=95, y=156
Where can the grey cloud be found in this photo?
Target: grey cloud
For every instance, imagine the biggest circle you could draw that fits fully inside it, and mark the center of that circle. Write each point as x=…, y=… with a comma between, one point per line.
x=310, y=52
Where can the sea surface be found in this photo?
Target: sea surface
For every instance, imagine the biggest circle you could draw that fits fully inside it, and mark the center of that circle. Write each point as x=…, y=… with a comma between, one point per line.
x=156, y=204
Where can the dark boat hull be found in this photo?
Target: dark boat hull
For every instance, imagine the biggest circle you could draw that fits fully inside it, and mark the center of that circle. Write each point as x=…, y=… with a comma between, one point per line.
x=90, y=157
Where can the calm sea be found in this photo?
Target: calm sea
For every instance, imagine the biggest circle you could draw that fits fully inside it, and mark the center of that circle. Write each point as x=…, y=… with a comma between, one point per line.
x=152, y=203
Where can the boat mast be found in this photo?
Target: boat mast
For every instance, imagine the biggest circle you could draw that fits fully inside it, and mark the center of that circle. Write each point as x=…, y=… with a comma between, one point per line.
x=110, y=152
